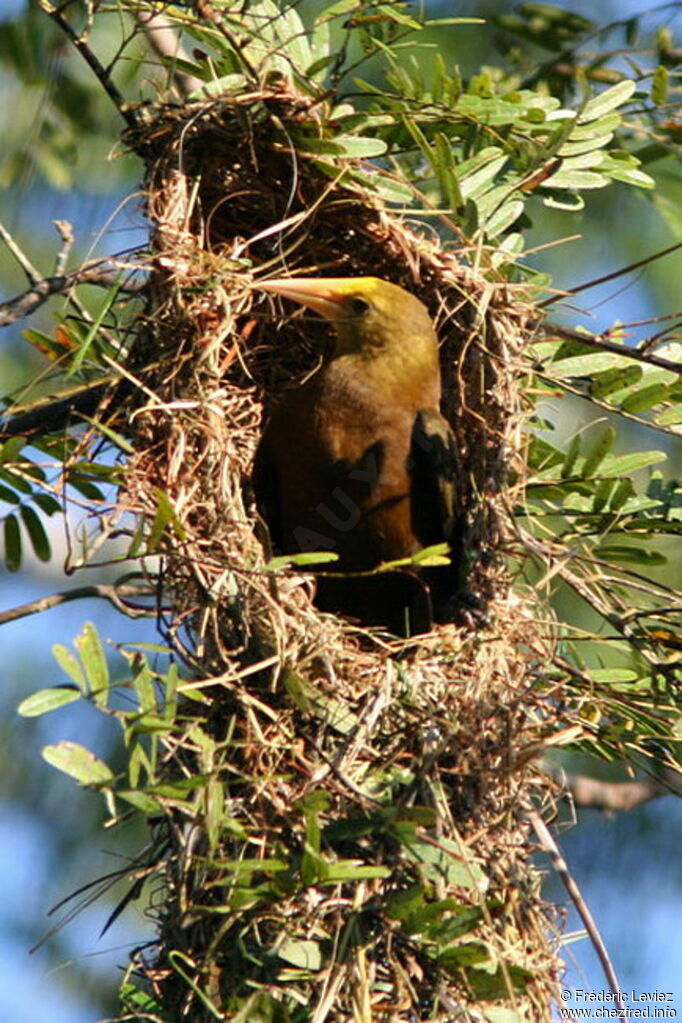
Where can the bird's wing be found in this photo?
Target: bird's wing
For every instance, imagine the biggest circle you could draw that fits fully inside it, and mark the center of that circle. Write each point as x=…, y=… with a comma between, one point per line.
x=265, y=481
x=433, y=469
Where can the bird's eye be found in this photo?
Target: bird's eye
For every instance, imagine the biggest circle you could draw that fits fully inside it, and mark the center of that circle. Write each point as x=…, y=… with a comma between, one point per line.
x=359, y=306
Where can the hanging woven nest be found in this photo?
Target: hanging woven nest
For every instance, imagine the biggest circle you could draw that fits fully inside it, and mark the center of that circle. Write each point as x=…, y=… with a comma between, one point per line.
x=360, y=849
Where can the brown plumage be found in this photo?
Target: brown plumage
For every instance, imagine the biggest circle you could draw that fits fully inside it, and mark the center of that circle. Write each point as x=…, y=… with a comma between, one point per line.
x=359, y=460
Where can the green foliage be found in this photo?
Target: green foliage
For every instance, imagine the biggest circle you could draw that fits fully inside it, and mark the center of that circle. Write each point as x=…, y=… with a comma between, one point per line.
x=55, y=118
x=599, y=520
x=482, y=152
x=44, y=471
x=31, y=493
x=481, y=155
x=390, y=844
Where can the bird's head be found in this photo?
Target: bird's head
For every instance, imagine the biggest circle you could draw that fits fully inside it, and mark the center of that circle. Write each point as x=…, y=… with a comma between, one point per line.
x=371, y=316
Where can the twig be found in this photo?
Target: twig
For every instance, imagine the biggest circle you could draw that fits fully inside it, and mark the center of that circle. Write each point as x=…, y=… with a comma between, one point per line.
x=163, y=39
x=611, y=276
x=206, y=10
x=552, y=331
x=55, y=414
x=128, y=115
x=114, y=594
x=620, y=796
x=23, y=305
x=65, y=231
x=22, y=259
x=559, y=863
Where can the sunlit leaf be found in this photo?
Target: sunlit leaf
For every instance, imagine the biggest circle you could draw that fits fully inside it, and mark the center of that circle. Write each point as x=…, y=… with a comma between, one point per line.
x=46, y=700
x=74, y=759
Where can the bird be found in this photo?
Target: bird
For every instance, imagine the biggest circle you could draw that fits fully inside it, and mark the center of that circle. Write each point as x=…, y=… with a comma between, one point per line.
x=360, y=462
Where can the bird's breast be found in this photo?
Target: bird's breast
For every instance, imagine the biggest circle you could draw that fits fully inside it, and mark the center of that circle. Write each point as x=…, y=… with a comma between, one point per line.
x=343, y=455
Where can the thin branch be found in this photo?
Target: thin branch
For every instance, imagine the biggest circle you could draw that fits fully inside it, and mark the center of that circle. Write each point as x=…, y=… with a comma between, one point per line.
x=22, y=259
x=559, y=863
x=611, y=276
x=116, y=595
x=20, y=306
x=206, y=10
x=554, y=331
x=65, y=231
x=621, y=796
x=600, y=403
x=103, y=76
x=163, y=38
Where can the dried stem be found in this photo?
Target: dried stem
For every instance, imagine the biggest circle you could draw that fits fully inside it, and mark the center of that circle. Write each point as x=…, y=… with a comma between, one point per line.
x=103, y=76
x=116, y=595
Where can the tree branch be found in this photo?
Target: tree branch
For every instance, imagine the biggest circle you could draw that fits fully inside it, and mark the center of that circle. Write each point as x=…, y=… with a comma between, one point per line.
x=20, y=306
x=612, y=275
x=54, y=414
x=624, y=795
x=117, y=98
x=163, y=39
x=116, y=595
x=559, y=863
x=553, y=331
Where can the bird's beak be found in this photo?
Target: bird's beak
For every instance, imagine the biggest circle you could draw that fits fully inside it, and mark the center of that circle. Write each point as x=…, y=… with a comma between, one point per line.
x=325, y=295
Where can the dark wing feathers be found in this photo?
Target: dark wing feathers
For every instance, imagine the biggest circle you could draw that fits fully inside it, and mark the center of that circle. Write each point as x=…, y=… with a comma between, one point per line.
x=265, y=480
x=433, y=468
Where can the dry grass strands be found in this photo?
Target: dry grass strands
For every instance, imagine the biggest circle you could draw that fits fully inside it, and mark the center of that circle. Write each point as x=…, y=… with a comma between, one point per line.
x=359, y=849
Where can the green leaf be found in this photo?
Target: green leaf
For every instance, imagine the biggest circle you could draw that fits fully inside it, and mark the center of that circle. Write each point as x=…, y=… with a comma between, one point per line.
x=605, y=126
x=607, y=101
x=343, y=145
x=571, y=457
x=445, y=168
x=144, y=687
x=645, y=398
x=142, y=801
x=607, y=675
x=304, y=954
x=476, y=175
x=597, y=452
x=352, y=870
x=359, y=147
x=303, y=560
x=89, y=646
x=498, y=1014
x=575, y=179
x=504, y=217
x=48, y=504
x=584, y=365
x=165, y=516
x=630, y=555
x=574, y=147
x=68, y=663
x=659, y=85
x=446, y=861
x=9, y=496
x=624, y=465
x=339, y=8
x=220, y=86
x=12, y=543
x=321, y=64
x=670, y=416
x=93, y=330
x=10, y=450
x=36, y=532
x=46, y=700
x=617, y=378
x=78, y=762
x=395, y=13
